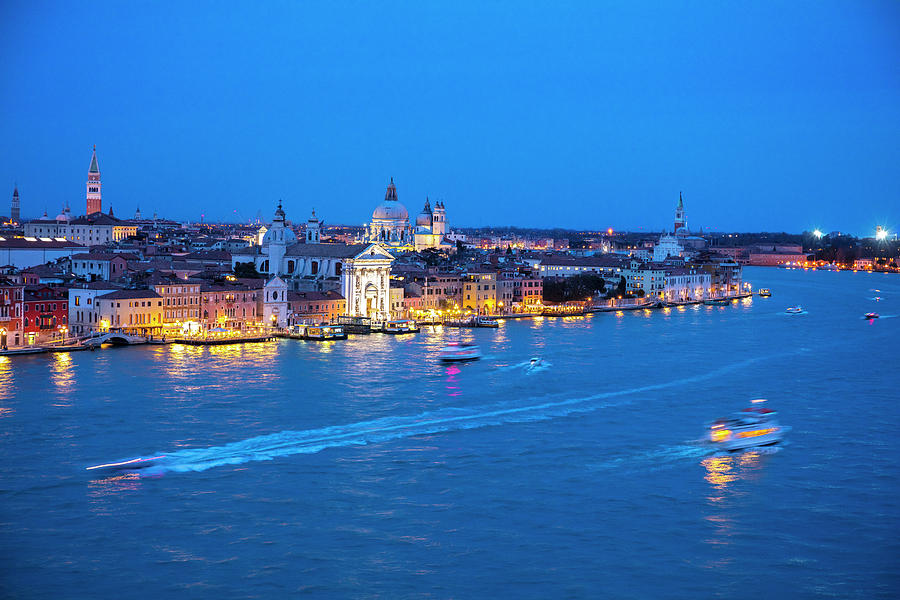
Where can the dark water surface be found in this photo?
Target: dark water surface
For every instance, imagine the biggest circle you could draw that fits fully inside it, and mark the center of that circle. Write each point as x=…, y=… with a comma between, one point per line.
x=366, y=469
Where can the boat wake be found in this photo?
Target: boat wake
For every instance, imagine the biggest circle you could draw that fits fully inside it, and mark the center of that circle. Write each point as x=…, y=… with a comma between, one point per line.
x=286, y=443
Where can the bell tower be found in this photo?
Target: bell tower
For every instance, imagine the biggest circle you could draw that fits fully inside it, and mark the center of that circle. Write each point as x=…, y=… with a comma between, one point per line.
x=680, y=222
x=14, y=210
x=93, y=186
x=312, y=229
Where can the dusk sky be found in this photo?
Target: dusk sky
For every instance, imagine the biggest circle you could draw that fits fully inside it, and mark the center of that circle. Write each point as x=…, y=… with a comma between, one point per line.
x=768, y=116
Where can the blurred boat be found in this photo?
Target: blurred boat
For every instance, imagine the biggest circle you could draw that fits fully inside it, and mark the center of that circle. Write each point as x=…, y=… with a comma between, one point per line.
x=457, y=352
x=753, y=426
x=133, y=464
x=765, y=292
x=716, y=302
x=871, y=315
x=795, y=310
x=486, y=322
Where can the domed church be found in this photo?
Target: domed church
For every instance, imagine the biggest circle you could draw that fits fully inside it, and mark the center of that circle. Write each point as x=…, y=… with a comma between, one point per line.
x=390, y=225
x=431, y=225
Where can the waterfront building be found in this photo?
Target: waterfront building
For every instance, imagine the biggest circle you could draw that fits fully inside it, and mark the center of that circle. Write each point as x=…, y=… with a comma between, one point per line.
x=12, y=310
x=687, y=283
x=661, y=281
x=30, y=251
x=480, y=291
x=647, y=279
x=519, y=291
x=139, y=312
x=316, y=307
x=14, y=208
x=46, y=313
x=94, y=204
x=438, y=291
x=230, y=304
x=396, y=300
x=83, y=319
x=274, y=302
x=181, y=300
x=389, y=226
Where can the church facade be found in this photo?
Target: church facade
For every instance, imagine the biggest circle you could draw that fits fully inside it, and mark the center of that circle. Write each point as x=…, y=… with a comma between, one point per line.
x=360, y=272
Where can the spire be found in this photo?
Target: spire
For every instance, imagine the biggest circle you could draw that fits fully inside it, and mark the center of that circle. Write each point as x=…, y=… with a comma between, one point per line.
x=95, y=168
x=680, y=201
x=391, y=193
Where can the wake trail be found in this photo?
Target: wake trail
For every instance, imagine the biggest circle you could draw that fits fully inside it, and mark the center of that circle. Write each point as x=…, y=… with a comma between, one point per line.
x=285, y=443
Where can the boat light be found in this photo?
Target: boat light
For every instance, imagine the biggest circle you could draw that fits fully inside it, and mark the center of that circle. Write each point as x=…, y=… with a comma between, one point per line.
x=720, y=435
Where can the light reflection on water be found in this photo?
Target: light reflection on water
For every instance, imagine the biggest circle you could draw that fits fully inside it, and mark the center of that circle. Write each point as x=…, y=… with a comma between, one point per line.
x=7, y=385
x=510, y=490
x=62, y=375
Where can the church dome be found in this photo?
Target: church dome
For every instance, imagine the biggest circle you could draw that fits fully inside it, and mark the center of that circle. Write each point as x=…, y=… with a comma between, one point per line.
x=289, y=236
x=390, y=209
x=426, y=217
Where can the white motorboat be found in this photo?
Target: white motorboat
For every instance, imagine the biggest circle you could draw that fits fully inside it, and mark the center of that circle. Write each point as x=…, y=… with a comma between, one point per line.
x=535, y=362
x=795, y=310
x=459, y=352
x=753, y=426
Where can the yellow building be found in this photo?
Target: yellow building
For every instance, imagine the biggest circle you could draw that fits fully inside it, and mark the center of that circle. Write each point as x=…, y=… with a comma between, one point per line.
x=133, y=311
x=480, y=292
x=181, y=300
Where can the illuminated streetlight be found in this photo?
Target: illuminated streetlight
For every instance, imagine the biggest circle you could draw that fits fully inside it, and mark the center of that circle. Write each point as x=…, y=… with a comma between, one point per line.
x=881, y=233
x=818, y=233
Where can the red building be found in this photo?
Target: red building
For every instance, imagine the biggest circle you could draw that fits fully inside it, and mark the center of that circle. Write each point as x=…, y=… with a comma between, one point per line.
x=46, y=313
x=315, y=306
x=11, y=308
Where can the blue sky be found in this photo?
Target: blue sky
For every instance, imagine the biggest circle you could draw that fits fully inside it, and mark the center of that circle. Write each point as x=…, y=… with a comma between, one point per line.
x=768, y=116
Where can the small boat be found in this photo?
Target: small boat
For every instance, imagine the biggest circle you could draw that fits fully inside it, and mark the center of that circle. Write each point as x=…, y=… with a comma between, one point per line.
x=335, y=332
x=459, y=352
x=357, y=325
x=487, y=322
x=795, y=310
x=26, y=350
x=871, y=315
x=400, y=326
x=716, y=302
x=536, y=362
x=133, y=464
x=764, y=292
x=753, y=426
x=67, y=348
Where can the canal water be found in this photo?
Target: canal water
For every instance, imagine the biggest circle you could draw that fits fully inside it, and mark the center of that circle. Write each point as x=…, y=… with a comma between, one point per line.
x=367, y=469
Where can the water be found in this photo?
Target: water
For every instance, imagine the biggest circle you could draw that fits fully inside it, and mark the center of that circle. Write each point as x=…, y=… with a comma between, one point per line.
x=366, y=469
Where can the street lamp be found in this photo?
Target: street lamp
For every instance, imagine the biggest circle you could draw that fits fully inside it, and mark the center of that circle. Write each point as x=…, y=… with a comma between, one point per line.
x=818, y=233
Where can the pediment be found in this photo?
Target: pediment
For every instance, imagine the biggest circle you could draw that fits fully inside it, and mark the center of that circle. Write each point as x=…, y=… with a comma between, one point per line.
x=374, y=252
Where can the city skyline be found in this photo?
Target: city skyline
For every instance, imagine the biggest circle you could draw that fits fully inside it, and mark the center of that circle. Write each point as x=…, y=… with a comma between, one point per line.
x=571, y=119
